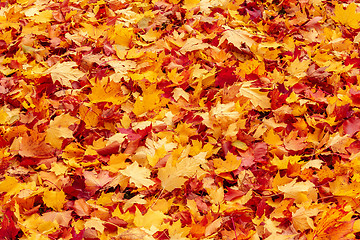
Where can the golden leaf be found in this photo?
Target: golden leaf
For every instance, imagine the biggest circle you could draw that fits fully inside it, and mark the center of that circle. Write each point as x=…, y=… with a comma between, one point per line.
x=54, y=199
x=65, y=73
x=237, y=38
x=231, y=163
x=298, y=68
x=348, y=16
x=257, y=97
x=140, y=176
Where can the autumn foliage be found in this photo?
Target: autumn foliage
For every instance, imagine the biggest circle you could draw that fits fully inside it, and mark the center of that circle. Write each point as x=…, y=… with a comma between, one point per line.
x=179, y=119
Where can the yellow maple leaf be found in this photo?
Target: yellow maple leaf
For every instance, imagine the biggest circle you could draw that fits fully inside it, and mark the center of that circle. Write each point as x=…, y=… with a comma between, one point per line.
x=272, y=138
x=341, y=187
x=43, y=16
x=54, y=199
x=150, y=219
x=95, y=223
x=256, y=96
x=348, y=16
x=10, y=185
x=237, y=38
x=94, y=32
x=302, y=218
x=247, y=67
x=89, y=115
x=117, y=162
x=107, y=91
x=105, y=199
x=169, y=178
x=65, y=73
x=198, y=148
x=38, y=226
x=162, y=204
x=151, y=35
x=140, y=176
x=148, y=102
x=173, y=174
x=193, y=44
x=189, y=4
x=298, y=68
x=152, y=76
x=58, y=168
x=59, y=129
x=8, y=116
x=231, y=163
x=281, y=164
x=184, y=131
x=300, y=191
x=122, y=35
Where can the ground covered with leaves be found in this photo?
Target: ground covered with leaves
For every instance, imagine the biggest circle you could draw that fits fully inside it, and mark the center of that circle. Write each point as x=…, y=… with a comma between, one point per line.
x=191, y=119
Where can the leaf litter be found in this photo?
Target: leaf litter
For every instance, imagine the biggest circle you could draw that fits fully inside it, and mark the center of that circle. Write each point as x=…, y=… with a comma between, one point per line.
x=194, y=119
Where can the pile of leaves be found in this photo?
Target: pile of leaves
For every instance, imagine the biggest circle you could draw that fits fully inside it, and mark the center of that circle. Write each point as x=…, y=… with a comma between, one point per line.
x=179, y=119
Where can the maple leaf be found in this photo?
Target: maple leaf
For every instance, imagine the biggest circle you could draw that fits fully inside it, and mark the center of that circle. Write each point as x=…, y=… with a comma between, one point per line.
x=122, y=35
x=107, y=91
x=300, y=191
x=302, y=218
x=174, y=176
x=81, y=208
x=54, y=199
x=140, y=176
x=8, y=116
x=256, y=96
x=193, y=44
x=8, y=229
x=331, y=224
x=59, y=129
x=95, y=223
x=95, y=181
x=65, y=73
x=231, y=163
x=116, y=162
x=149, y=219
x=62, y=218
x=32, y=146
x=179, y=119
x=347, y=16
x=134, y=233
x=58, y=168
x=291, y=143
x=237, y=38
x=149, y=101
x=351, y=126
x=170, y=179
x=298, y=68
x=226, y=76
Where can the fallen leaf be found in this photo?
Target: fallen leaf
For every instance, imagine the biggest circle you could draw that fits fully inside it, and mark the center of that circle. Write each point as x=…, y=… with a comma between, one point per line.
x=256, y=96
x=347, y=16
x=54, y=199
x=237, y=38
x=140, y=176
x=62, y=218
x=65, y=73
